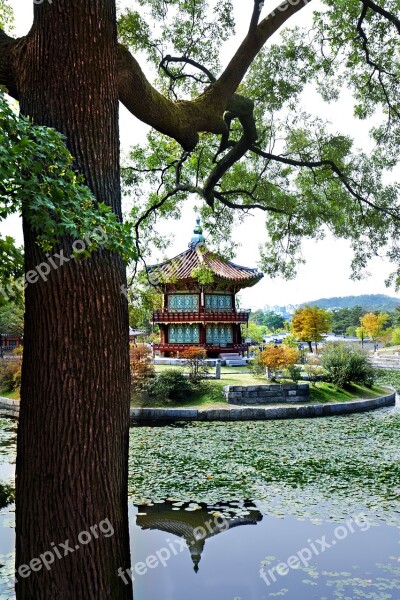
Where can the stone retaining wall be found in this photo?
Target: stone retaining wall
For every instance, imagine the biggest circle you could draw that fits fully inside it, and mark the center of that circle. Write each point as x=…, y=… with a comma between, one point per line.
x=267, y=394
x=306, y=411
x=8, y=407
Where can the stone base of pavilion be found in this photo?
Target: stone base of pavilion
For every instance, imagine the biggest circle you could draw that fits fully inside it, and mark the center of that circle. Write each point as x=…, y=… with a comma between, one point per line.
x=180, y=362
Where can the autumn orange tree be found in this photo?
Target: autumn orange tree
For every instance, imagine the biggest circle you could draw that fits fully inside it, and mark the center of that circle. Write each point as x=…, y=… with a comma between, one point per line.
x=141, y=364
x=279, y=357
x=194, y=358
x=309, y=323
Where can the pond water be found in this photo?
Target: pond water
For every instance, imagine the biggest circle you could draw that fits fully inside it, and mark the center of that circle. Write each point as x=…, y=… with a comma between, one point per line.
x=302, y=510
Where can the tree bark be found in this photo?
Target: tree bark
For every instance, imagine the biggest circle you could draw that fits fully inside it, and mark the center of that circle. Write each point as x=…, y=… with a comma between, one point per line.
x=74, y=420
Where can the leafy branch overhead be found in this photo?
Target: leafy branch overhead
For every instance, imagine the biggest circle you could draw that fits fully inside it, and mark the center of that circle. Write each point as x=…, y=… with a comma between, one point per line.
x=37, y=178
x=272, y=155
x=239, y=138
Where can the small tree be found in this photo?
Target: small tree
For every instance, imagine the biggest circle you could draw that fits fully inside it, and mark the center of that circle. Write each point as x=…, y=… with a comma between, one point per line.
x=396, y=336
x=141, y=365
x=314, y=370
x=278, y=357
x=374, y=325
x=10, y=372
x=309, y=323
x=195, y=361
x=255, y=332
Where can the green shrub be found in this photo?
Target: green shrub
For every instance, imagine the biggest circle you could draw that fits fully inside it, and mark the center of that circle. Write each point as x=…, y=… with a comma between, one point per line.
x=255, y=365
x=10, y=374
x=6, y=495
x=389, y=377
x=294, y=373
x=170, y=384
x=315, y=372
x=347, y=364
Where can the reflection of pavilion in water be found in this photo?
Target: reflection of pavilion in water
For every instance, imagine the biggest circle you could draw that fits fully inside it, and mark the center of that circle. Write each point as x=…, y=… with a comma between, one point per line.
x=196, y=525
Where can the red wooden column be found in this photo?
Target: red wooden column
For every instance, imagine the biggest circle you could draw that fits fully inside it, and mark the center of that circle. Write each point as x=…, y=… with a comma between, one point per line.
x=235, y=333
x=202, y=334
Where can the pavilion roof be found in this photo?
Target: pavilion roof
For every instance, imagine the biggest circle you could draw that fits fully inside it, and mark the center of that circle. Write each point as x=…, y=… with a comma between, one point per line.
x=181, y=267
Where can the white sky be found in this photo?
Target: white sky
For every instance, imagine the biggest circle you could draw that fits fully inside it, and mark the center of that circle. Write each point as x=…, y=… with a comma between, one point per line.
x=327, y=269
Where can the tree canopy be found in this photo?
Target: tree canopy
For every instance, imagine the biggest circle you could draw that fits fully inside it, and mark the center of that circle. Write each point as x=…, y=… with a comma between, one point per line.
x=309, y=323
x=271, y=154
x=240, y=137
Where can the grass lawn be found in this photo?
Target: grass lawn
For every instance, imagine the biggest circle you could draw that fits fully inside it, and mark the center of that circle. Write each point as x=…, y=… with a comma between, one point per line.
x=326, y=392
x=14, y=395
x=210, y=394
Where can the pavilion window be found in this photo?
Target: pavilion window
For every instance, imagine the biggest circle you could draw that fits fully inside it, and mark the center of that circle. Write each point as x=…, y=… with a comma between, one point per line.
x=218, y=302
x=183, y=302
x=219, y=334
x=184, y=334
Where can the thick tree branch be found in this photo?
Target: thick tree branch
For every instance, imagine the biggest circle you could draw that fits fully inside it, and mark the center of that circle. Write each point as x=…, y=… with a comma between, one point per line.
x=230, y=79
x=222, y=197
x=183, y=120
x=258, y=6
x=384, y=13
x=364, y=41
x=7, y=77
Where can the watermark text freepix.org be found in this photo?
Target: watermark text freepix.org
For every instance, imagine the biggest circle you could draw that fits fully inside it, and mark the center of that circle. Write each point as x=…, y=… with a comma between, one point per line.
x=303, y=557
x=59, y=551
x=42, y=271
x=173, y=548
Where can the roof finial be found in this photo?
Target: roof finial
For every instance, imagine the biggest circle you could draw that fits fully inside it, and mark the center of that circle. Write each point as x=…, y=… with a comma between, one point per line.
x=198, y=237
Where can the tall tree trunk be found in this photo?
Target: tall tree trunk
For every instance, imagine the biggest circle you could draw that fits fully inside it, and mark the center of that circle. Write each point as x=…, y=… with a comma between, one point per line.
x=74, y=421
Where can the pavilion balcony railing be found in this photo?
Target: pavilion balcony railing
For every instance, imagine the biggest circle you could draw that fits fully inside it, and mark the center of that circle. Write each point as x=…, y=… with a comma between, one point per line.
x=171, y=347
x=204, y=316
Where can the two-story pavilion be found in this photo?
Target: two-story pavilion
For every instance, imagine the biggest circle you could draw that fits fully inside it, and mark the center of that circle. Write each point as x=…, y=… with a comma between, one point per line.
x=199, y=300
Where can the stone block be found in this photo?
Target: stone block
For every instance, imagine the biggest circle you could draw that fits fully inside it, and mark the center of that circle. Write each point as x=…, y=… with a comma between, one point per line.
x=303, y=386
x=289, y=386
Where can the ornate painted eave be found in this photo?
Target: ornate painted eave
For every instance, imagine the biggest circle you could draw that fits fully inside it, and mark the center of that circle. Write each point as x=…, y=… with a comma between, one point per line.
x=189, y=268
x=182, y=269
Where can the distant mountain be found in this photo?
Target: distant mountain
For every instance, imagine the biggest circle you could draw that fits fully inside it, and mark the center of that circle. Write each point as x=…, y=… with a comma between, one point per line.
x=369, y=302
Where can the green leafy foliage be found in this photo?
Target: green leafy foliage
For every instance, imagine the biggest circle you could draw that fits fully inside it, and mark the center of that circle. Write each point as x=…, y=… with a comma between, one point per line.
x=11, y=260
x=193, y=28
x=171, y=384
x=269, y=319
x=37, y=176
x=347, y=364
x=317, y=180
x=389, y=377
x=10, y=372
x=7, y=495
x=11, y=318
x=143, y=300
x=344, y=318
x=6, y=15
